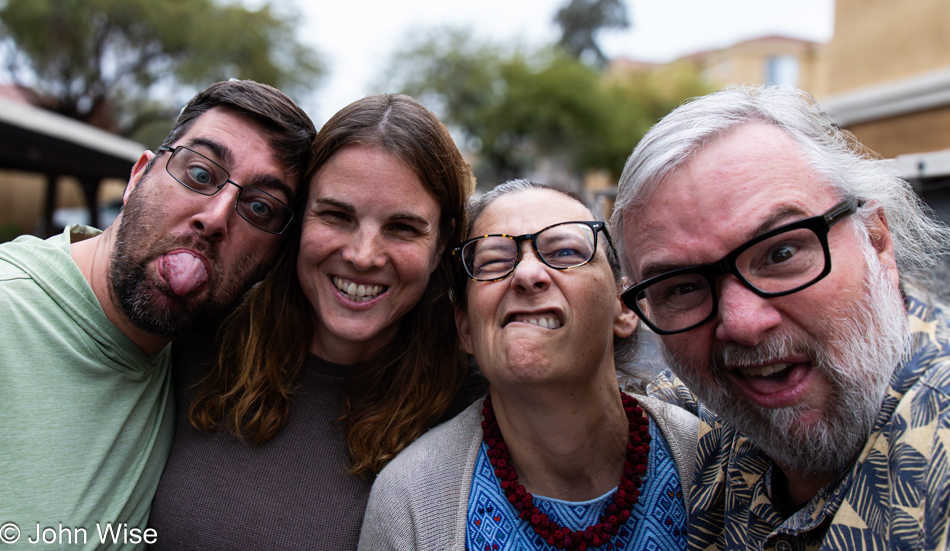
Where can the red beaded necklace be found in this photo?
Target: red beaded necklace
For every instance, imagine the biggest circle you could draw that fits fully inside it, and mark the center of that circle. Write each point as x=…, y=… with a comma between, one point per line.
x=617, y=513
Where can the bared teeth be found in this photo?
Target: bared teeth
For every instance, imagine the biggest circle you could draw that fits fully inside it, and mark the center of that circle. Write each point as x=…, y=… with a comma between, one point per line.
x=763, y=370
x=358, y=293
x=548, y=321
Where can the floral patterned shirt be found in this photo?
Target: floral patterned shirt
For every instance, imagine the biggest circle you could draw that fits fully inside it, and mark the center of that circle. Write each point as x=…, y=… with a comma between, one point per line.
x=895, y=496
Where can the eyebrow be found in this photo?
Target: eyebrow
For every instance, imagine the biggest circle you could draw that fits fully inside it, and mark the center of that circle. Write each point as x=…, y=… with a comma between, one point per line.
x=346, y=207
x=225, y=157
x=785, y=215
x=409, y=217
x=223, y=154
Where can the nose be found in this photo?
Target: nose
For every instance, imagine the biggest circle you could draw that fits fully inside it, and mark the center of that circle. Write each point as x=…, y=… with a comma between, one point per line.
x=530, y=275
x=364, y=251
x=744, y=317
x=211, y=221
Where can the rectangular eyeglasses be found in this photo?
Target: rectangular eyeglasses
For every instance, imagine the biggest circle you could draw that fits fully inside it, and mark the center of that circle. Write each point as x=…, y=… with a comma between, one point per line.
x=776, y=263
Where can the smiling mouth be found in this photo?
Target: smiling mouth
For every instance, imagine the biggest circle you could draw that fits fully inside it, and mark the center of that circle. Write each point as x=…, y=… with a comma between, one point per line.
x=356, y=292
x=545, y=320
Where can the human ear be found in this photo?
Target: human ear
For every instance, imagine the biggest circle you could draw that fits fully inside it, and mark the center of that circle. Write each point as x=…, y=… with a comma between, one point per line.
x=625, y=320
x=461, y=324
x=138, y=170
x=883, y=243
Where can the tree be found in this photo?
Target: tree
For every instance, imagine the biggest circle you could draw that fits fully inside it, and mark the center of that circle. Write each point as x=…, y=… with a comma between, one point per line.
x=122, y=64
x=581, y=21
x=512, y=107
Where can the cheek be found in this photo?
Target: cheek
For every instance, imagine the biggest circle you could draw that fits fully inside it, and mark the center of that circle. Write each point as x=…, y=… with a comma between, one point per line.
x=315, y=245
x=691, y=351
x=414, y=262
x=482, y=304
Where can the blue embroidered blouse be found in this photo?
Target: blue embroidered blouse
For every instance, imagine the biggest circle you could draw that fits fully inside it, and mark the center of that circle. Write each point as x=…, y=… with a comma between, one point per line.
x=657, y=521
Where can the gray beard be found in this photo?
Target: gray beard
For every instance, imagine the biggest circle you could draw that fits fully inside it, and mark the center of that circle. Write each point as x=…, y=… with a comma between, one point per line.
x=857, y=356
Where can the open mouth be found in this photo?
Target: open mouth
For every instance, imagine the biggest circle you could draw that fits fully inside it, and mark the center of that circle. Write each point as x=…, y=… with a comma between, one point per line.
x=357, y=292
x=764, y=370
x=776, y=384
x=547, y=320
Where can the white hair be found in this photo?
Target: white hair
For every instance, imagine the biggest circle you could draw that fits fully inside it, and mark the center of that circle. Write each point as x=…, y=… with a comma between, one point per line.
x=835, y=155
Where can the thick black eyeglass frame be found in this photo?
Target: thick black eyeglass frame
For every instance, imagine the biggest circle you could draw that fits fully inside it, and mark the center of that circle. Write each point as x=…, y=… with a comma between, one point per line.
x=595, y=226
x=820, y=224
x=219, y=187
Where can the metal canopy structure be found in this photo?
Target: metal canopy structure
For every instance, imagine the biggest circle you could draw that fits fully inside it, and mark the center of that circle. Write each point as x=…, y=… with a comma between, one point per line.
x=39, y=141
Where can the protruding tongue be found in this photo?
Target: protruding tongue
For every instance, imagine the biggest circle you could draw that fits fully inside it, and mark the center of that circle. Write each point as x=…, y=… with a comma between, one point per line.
x=184, y=272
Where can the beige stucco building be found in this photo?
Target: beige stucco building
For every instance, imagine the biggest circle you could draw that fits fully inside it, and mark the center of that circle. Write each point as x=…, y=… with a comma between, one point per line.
x=889, y=74
x=884, y=76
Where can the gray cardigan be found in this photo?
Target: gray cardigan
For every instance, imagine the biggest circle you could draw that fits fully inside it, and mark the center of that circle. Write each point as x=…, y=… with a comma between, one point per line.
x=420, y=500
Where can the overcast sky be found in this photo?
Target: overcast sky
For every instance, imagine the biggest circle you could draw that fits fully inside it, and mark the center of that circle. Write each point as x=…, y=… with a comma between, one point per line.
x=357, y=37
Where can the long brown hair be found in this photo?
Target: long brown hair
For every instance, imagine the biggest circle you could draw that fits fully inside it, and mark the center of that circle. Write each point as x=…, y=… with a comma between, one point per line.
x=406, y=388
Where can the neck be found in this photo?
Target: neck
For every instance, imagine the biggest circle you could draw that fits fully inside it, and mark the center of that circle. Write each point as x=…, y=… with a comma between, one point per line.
x=565, y=445
x=792, y=490
x=328, y=347
x=93, y=256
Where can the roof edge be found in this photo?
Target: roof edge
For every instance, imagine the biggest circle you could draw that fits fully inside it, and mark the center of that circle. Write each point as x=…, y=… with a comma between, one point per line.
x=64, y=128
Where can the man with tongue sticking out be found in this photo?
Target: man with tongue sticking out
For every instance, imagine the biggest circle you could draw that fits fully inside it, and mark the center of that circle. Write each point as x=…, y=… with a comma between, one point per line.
x=87, y=317
x=786, y=272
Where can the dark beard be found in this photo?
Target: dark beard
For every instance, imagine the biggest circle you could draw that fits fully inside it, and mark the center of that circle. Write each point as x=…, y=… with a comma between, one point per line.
x=150, y=305
x=169, y=316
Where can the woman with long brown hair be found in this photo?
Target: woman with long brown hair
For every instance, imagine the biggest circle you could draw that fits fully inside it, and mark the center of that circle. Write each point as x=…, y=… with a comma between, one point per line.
x=340, y=358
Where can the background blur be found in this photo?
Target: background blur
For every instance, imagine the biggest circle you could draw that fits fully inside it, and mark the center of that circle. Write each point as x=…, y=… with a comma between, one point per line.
x=559, y=91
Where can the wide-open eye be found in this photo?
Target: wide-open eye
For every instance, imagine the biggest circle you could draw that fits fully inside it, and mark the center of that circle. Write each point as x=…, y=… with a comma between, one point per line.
x=199, y=175
x=259, y=208
x=196, y=171
x=781, y=253
x=786, y=255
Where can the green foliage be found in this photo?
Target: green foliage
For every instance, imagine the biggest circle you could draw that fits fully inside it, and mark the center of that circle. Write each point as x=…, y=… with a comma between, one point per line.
x=105, y=61
x=513, y=107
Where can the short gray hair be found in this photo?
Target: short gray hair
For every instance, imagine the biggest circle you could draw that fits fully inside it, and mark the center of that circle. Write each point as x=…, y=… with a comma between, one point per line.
x=835, y=155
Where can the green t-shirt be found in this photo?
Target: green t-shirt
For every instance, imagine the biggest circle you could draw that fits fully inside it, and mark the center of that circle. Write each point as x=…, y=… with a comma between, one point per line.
x=86, y=417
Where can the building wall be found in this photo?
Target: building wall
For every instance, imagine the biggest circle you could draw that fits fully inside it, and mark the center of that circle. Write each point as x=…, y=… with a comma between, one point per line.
x=883, y=40
x=747, y=62
x=920, y=132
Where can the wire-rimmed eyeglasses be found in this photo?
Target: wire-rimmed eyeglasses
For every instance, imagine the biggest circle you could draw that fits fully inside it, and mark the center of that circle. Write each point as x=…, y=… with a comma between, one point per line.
x=776, y=263
x=202, y=175
x=561, y=246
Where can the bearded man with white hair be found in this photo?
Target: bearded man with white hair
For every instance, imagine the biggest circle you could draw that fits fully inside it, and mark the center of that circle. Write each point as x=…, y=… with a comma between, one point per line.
x=790, y=277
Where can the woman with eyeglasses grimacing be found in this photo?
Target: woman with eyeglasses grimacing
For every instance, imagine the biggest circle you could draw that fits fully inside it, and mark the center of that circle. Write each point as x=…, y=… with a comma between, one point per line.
x=556, y=456
x=339, y=358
